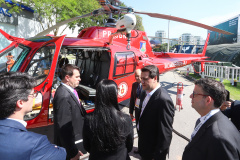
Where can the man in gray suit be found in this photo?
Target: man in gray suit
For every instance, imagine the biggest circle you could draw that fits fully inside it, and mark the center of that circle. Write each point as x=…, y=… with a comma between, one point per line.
x=214, y=136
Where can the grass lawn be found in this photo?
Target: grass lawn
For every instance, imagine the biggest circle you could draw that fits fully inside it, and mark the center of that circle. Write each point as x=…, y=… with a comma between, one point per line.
x=234, y=91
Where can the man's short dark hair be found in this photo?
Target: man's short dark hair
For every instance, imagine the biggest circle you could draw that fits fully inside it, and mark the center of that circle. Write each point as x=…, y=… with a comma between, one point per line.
x=14, y=86
x=214, y=89
x=153, y=71
x=68, y=70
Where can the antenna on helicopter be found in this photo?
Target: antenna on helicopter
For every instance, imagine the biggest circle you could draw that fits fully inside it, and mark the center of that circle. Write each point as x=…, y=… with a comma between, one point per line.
x=111, y=22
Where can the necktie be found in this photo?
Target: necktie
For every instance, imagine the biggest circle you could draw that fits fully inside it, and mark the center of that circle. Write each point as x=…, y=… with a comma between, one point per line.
x=139, y=89
x=76, y=94
x=197, y=122
x=83, y=112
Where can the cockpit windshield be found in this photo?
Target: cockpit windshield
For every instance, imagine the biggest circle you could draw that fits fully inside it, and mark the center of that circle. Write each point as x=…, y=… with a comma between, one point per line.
x=11, y=59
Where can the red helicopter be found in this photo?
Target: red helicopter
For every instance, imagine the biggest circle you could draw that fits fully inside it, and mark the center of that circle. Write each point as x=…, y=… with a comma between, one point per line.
x=111, y=52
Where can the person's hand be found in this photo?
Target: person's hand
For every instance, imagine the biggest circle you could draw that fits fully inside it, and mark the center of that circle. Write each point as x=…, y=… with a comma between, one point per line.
x=225, y=105
x=77, y=156
x=132, y=116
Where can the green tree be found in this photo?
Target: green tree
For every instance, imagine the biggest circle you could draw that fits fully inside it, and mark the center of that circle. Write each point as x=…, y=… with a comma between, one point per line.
x=161, y=48
x=139, y=25
x=173, y=47
x=54, y=11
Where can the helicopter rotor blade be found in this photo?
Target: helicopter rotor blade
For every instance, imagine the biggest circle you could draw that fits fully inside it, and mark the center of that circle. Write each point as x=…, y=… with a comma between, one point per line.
x=178, y=19
x=94, y=13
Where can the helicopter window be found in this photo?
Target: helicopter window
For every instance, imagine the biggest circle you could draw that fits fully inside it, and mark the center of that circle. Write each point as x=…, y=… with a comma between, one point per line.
x=125, y=63
x=130, y=63
x=12, y=58
x=40, y=64
x=40, y=39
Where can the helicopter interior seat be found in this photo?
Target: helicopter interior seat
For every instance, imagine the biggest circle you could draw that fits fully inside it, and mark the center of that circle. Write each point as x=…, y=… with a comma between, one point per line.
x=101, y=68
x=105, y=66
x=94, y=67
x=85, y=66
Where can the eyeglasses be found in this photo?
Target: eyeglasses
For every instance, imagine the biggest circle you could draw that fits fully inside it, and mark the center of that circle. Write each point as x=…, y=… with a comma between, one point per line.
x=35, y=94
x=194, y=94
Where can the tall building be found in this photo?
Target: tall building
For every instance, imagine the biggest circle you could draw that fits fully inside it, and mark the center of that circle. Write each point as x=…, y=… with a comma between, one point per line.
x=173, y=41
x=160, y=34
x=197, y=40
x=187, y=39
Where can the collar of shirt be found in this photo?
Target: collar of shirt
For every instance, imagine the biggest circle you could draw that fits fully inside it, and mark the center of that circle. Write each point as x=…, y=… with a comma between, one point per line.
x=20, y=121
x=140, y=84
x=211, y=113
x=151, y=93
x=71, y=89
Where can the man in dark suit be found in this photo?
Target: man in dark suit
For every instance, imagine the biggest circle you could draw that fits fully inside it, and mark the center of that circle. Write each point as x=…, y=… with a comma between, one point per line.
x=135, y=95
x=16, y=100
x=232, y=111
x=135, y=98
x=156, y=117
x=214, y=136
x=69, y=113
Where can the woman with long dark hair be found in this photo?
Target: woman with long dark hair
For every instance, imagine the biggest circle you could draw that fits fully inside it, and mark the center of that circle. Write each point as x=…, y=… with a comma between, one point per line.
x=107, y=132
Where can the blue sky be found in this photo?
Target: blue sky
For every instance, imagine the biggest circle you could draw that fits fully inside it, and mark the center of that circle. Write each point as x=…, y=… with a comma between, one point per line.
x=209, y=12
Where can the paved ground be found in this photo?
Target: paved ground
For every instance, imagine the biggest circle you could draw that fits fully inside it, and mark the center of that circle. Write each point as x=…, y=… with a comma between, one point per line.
x=184, y=120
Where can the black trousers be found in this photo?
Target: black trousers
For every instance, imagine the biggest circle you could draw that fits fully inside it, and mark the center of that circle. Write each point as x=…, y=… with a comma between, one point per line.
x=162, y=156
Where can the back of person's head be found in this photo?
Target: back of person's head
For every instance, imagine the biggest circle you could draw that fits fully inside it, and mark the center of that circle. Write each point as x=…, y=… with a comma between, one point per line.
x=14, y=86
x=63, y=61
x=153, y=71
x=106, y=94
x=107, y=122
x=214, y=89
x=68, y=70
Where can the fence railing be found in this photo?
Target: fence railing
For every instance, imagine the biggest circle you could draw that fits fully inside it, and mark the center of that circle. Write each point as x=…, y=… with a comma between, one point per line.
x=221, y=72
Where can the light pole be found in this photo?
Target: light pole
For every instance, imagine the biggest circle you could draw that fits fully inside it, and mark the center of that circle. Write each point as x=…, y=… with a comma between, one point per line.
x=168, y=37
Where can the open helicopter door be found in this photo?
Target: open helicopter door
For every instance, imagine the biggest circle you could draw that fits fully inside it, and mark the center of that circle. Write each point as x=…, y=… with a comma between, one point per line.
x=42, y=67
x=38, y=57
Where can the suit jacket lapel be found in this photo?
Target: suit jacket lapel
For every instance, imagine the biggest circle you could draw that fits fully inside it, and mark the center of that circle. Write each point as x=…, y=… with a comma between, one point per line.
x=83, y=112
x=201, y=131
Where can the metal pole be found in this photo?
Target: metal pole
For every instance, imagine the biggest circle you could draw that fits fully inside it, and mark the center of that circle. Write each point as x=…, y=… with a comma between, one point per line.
x=168, y=36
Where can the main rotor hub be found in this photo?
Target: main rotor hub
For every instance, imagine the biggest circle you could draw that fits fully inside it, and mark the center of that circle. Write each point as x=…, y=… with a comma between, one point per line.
x=111, y=22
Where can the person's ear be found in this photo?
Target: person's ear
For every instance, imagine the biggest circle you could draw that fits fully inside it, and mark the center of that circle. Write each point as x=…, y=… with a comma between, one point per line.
x=19, y=104
x=209, y=99
x=67, y=78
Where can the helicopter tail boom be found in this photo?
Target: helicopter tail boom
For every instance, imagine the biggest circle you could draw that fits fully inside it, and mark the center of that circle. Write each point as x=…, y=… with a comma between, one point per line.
x=205, y=45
